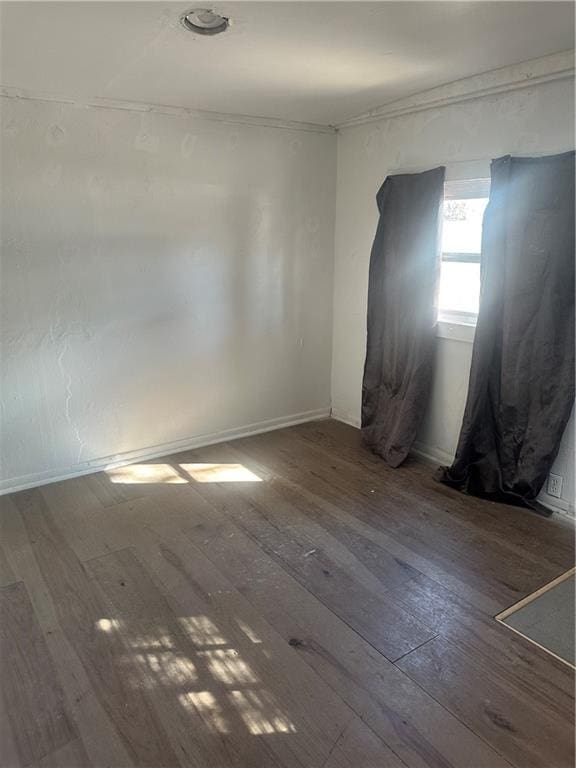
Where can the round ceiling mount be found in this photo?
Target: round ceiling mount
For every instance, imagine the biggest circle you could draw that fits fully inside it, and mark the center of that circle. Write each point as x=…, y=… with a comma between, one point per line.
x=204, y=21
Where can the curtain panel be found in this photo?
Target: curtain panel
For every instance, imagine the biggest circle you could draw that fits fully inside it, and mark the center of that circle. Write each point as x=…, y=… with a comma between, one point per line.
x=402, y=289
x=521, y=389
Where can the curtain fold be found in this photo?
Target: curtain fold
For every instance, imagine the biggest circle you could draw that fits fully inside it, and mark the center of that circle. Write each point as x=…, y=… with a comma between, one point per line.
x=521, y=389
x=402, y=288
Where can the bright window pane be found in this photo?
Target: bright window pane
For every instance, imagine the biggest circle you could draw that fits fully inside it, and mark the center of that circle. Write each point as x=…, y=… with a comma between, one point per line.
x=462, y=225
x=461, y=234
x=459, y=287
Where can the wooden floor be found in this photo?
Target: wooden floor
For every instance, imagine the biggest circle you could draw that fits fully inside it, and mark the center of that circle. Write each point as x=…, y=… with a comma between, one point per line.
x=282, y=600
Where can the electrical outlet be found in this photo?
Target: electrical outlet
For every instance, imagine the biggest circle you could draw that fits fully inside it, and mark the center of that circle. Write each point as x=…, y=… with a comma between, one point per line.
x=554, y=485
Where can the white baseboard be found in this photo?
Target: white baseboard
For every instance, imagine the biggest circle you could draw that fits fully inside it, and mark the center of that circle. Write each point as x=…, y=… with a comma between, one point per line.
x=428, y=453
x=345, y=418
x=561, y=506
x=432, y=455
x=11, y=485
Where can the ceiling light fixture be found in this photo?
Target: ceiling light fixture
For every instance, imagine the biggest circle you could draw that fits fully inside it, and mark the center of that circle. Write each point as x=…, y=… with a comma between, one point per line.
x=203, y=21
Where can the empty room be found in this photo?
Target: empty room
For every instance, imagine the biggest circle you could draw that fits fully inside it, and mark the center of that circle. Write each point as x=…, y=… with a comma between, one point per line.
x=287, y=369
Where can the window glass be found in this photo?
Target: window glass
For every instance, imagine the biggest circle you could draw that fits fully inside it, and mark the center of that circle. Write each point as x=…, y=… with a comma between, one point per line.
x=463, y=210
x=462, y=225
x=459, y=287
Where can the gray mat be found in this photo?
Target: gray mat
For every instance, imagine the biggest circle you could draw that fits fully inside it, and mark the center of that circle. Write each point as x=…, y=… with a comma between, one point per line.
x=549, y=619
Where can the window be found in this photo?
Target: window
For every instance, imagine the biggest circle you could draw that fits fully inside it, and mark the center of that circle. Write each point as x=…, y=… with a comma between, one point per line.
x=464, y=205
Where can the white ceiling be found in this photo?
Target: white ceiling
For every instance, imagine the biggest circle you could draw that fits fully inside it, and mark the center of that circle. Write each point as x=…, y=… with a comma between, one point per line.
x=320, y=62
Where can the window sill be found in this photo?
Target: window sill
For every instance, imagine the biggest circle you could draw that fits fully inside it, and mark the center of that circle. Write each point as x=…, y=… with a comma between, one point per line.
x=456, y=329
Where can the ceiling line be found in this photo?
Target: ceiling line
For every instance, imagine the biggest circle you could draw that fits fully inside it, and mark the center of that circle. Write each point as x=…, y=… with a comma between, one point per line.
x=558, y=66
x=9, y=92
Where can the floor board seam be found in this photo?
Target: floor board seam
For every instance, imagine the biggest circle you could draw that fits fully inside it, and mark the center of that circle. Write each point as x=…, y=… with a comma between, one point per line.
x=416, y=648
x=105, y=554
x=333, y=747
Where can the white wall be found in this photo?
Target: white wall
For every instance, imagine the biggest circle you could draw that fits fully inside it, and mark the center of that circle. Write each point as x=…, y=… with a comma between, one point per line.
x=164, y=278
x=533, y=120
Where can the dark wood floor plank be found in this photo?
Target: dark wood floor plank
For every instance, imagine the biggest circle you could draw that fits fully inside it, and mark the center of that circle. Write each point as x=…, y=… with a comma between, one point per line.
x=358, y=746
x=314, y=704
x=454, y=513
x=261, y=605
x=505, y=522
x=389, y=560
x=294, y=691
x=265, y=515
x=321, y=523
x=487, y=554
x=520, y=664
x=387, y=520
x=89, y=528
x=7, y=575
x=184, y=572
x=413, y=726
x=72, y=755
x=111, y=493
x=179, y=674
x=448, y=539
x=104, y=746
x=80, y=610
x=522, y=730
x=29, y=681
x=9, y=756
x=128, y=523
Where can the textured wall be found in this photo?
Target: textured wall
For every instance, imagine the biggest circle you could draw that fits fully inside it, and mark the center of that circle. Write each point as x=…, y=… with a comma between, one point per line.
x=163, y=278
x=536, y=120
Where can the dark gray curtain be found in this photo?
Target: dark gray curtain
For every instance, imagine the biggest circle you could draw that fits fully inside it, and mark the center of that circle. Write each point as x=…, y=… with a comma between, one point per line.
x=521, y=387
x=404, y=266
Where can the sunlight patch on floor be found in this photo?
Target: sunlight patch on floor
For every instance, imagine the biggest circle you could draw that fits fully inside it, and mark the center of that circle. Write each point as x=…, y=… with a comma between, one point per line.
x=155, y=661
x=206, y=705
x=260, y=713
x=201, y=630
x=108, y=625
x=145, y=473
x=248, y=631
x=226, y=666
x=169, y=667
x=220, y=473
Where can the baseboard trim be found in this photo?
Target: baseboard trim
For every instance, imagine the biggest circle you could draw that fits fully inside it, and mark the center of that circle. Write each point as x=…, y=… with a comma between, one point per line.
x=350, y=420
x=432, y=455
x=560, y=506
x=12, y=485
x=427, y=453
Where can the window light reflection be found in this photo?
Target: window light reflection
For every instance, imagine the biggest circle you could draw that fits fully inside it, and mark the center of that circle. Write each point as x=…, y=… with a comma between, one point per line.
x=226, y=666
x=260, y=713
x=204, y=702
x=221, y=473
x=145, y=473
x=201, y=630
